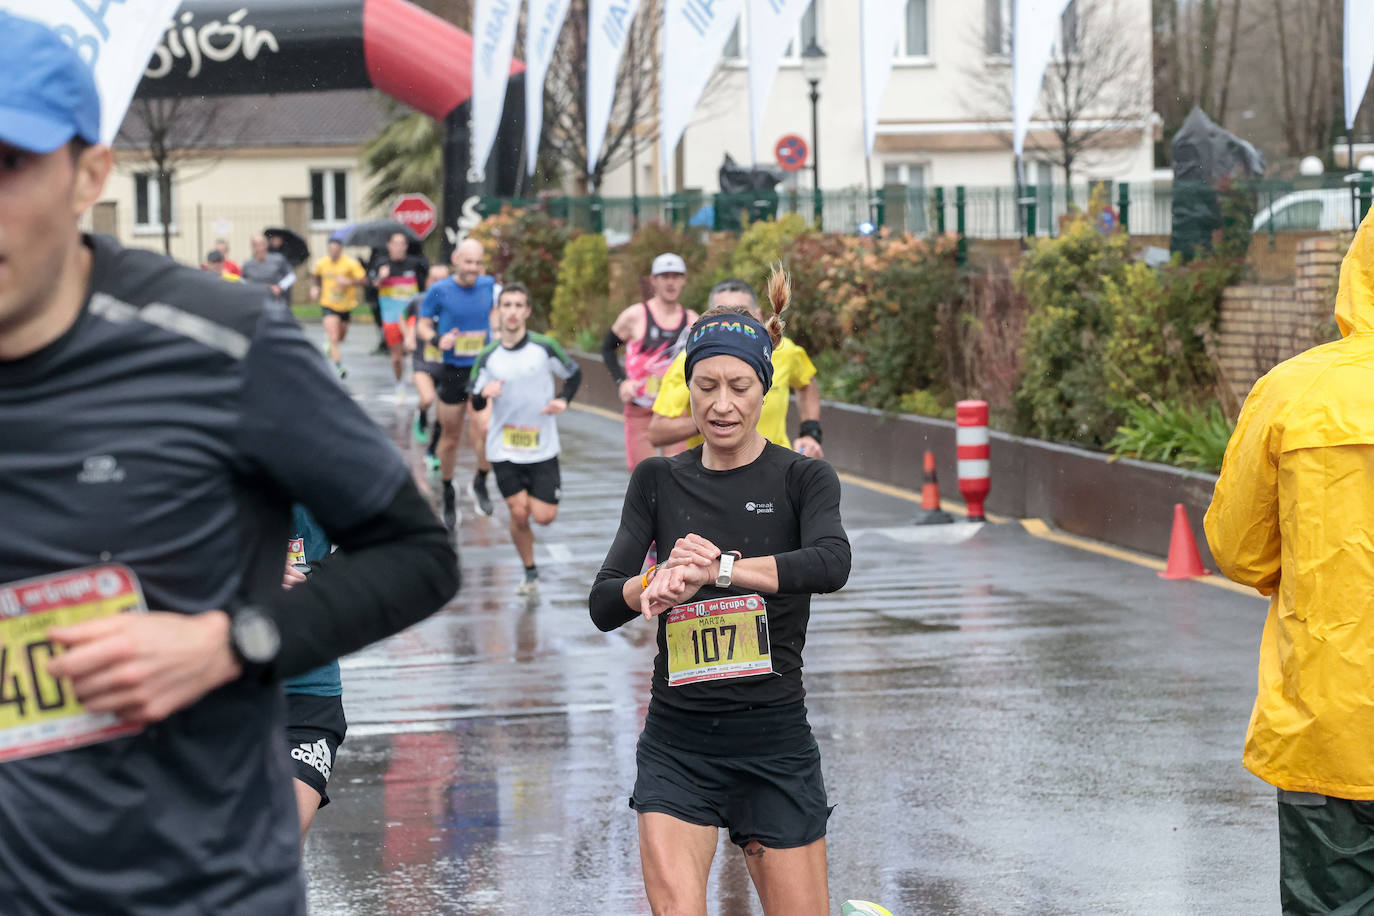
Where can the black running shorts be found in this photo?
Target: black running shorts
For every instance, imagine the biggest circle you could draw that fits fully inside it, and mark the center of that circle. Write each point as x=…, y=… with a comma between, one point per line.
x=452, y=384
x=540, y=479
x=315, y=727
x=420, y=364
x=326, y=311
x=777, y=798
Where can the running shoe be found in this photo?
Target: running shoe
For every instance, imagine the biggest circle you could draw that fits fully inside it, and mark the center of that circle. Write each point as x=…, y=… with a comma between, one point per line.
x=481, y=502
x=419, y=431
x=451, y=514
x=432, y=462
x=528, y=587
x=343, y=373
x=400, y=393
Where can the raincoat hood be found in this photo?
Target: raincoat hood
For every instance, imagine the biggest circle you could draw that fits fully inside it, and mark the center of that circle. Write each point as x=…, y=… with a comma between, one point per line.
x=1355, y=300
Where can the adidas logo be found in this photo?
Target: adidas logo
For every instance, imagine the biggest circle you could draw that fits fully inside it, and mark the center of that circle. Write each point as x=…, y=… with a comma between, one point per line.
x=315, y=755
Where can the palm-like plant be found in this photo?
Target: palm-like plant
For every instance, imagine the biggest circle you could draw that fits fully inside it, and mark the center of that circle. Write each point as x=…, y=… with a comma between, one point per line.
x=405, y=157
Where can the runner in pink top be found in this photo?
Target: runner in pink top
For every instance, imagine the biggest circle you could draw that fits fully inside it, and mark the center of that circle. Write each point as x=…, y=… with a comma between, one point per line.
x=653, y=333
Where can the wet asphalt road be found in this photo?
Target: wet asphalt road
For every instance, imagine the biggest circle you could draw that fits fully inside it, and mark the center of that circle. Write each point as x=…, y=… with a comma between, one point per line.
x=1008, y=725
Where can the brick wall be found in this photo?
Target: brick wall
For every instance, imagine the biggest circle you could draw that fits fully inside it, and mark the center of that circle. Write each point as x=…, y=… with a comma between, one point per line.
x=1261, y=326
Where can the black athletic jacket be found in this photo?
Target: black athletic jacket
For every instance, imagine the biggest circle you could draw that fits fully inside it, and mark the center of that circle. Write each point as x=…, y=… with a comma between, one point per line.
x=169, y=430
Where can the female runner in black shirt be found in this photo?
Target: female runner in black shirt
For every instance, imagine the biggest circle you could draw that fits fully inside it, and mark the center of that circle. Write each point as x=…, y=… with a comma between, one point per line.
x=755, y=530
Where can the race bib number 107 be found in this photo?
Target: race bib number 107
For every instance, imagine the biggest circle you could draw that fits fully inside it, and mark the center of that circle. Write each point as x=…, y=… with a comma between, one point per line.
x=718, y=639
x=40, y=714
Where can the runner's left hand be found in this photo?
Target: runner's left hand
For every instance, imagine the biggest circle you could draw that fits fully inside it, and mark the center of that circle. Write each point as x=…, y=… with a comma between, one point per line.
x=670, y=587
x=555, y=407
x=144, y=667
x=493, y=389
x=292, y=576
x=808, y=447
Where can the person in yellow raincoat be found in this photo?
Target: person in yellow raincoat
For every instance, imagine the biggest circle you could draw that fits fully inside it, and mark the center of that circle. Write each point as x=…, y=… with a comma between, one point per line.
x=1293, y=516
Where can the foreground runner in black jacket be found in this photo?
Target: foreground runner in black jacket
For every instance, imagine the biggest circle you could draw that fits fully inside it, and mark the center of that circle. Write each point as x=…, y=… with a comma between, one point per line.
x=755, y=530
x=158, y=423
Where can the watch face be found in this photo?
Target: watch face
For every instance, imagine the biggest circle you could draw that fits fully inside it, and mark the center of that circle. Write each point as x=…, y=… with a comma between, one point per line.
x=256, y=637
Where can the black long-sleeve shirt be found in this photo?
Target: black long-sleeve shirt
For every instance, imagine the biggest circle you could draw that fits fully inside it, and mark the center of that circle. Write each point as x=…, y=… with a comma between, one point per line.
x=170, y=429
x=781, y=505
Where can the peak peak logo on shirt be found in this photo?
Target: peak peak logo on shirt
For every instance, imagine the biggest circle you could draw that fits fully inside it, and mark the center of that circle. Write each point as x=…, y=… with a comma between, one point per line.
x=100, y=469
x=759, y=508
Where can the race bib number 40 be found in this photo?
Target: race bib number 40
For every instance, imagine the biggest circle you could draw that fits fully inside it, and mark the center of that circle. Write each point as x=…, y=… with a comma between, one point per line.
x=718, y=639
x=469, y=344
x=520, y=438
x=38, y=713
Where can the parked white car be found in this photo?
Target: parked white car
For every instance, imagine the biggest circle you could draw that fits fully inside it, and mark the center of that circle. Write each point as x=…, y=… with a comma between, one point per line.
x=1326, y=209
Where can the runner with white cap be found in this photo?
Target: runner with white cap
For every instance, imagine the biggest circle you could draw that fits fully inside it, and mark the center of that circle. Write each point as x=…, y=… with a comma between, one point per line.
x=653, y=333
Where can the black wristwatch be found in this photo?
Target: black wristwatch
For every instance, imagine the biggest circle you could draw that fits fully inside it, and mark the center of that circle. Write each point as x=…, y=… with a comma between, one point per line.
x=810, y=428
x=255, y=642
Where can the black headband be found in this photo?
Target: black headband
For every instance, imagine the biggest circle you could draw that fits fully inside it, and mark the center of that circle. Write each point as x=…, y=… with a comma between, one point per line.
x=739, y=336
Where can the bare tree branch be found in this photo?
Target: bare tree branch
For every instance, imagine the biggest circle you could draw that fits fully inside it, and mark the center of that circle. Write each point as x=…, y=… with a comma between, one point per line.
x=1090, y=94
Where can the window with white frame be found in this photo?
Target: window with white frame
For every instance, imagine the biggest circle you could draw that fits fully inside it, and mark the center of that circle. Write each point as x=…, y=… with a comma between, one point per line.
x=734, y=47
x=998, y=28
x=914, y=41
x=808, y=30
x=148, y=202
x=912, y=176
x=329, y=197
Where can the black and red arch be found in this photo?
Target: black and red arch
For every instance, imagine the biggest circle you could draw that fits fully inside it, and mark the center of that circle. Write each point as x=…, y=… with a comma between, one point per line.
x=235, y=47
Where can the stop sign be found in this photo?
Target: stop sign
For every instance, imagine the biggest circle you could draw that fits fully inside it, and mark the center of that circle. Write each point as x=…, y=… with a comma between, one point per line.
x=416, y=211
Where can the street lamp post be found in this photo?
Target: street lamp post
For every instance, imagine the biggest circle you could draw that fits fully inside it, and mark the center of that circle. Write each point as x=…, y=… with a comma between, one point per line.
x=813, y=68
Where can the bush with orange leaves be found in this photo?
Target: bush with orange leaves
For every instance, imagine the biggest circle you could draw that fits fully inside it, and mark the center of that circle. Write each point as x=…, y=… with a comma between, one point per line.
x=877, y=303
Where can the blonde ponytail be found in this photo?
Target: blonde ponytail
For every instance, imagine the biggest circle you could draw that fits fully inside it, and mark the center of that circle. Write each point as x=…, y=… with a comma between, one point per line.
x=779, y=297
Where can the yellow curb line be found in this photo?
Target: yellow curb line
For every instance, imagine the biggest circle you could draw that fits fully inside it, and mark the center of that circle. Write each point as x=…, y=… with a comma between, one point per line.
x=1033, y=526
x=910, y=496
x=1038, y=528
x=598, y=411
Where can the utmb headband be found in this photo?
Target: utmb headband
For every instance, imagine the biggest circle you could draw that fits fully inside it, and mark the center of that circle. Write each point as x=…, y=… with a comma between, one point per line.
x=740, y=336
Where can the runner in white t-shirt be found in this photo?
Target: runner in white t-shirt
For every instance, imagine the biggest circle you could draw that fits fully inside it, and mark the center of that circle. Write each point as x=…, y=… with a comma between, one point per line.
x=515, y=374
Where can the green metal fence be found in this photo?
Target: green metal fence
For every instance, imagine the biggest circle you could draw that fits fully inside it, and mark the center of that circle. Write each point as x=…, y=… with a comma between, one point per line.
x=1141, y=208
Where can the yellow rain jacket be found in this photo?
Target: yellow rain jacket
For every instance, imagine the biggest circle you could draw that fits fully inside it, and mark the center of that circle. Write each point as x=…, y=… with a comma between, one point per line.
x=1293, y=516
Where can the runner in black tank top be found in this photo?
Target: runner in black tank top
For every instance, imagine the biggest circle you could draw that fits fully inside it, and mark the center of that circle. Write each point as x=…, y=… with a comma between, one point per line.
x=649, y=351
x=726, y=743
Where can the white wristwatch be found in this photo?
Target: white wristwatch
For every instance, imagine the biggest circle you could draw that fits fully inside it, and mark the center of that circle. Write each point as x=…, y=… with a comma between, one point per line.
x=727, y=566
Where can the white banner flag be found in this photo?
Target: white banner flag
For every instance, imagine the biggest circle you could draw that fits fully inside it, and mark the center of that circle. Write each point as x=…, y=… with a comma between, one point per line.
x=493, y=37
x=1035, y=25
x=115, y=39
x=608, y=29
x=694, y=35
x=772, y=24
x=880, y=28
x=541, y=37
x=1359, y=55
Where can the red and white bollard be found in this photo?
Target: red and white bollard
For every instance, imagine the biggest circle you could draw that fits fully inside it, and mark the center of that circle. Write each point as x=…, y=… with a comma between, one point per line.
x=974, y=454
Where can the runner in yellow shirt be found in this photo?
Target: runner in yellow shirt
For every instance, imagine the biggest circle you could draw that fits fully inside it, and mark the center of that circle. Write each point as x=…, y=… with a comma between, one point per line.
x=337, y=281
x=792, y=370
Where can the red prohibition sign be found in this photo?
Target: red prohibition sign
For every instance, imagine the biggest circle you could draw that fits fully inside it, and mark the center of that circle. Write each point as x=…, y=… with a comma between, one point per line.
x=791, y=152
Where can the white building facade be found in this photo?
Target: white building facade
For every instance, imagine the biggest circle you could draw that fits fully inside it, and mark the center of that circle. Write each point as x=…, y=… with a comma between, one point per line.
x=939, y=124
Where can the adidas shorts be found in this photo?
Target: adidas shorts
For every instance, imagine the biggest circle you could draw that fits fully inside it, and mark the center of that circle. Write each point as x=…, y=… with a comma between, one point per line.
x=315, y=727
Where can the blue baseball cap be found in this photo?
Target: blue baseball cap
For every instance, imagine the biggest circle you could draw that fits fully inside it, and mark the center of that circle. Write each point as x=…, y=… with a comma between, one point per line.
x=47, y=93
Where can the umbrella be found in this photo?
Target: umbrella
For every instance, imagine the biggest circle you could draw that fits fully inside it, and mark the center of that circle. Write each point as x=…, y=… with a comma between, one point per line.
x=373, y=233
x=292, y=246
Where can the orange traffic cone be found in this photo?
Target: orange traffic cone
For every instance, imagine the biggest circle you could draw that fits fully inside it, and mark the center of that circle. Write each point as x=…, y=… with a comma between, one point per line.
x=1184, y=560
x=931, y=513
